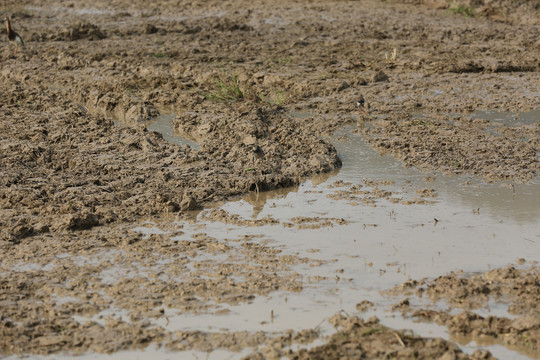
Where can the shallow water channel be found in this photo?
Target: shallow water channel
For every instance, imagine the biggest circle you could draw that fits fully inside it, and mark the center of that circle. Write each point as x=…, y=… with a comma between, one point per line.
x=479, y=226
x=163, y=124
x=467, y=225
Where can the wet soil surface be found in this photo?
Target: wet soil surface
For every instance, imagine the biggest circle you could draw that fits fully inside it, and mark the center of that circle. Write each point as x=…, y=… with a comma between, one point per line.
x=261, y=87
x=516, y=288
x=367, y=339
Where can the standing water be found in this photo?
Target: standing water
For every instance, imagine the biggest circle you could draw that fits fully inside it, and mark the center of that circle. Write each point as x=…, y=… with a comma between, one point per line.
x=372, y=225
x=462, y=224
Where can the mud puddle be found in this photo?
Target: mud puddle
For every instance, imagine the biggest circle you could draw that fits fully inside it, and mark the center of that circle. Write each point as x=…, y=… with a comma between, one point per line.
x=366, y=228
x=509, y=118
x=501, y=123
x=152, y=352
x=372, y=225
x=163, y=124
x=63, y=10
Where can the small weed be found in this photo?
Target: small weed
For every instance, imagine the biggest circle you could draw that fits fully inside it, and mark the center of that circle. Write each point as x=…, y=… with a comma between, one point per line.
x=282, y=60
x=250, y=169
x=227, y=89
x=159, y=55
x=280, y=98
x=462, y=10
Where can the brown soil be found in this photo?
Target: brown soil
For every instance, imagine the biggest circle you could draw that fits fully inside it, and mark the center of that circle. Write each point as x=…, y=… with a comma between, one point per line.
x=79, y=168
x=63, y=90
x=513, y=287
x=367, y=339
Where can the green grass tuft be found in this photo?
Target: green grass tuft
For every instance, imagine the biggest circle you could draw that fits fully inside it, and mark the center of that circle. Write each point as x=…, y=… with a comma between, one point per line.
x=462, y=10
x=226, y=89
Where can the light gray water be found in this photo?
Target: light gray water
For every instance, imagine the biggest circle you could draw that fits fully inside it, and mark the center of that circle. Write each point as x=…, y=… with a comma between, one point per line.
x=479, y=227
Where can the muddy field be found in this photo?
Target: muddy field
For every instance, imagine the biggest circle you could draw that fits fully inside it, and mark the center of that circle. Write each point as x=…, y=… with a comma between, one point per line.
x=261, y=87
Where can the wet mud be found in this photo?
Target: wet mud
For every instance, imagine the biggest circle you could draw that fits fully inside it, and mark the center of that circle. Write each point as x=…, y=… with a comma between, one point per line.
x=515, y=289
x=368, y=339
x=261, y=87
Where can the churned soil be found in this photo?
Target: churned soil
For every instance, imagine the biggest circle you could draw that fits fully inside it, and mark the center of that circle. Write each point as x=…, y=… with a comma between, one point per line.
x=368, y=339
x=237, y=76
x=516, y=289
x=261, y=86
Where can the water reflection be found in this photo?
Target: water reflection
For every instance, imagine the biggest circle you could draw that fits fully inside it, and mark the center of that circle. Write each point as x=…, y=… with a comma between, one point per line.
x=259, y=200
x=517, y=203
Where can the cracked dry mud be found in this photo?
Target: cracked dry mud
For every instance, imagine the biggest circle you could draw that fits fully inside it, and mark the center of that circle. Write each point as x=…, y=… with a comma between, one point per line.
x=79, y=169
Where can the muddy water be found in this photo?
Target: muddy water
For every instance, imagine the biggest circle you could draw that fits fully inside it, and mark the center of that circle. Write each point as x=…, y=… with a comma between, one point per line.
x=422, y=225
x=112, y=59
x=468, y=225
x=163, y=125
x=509, y=118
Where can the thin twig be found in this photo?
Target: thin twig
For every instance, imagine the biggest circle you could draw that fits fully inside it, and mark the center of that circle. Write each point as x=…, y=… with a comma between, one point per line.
x=399, y=339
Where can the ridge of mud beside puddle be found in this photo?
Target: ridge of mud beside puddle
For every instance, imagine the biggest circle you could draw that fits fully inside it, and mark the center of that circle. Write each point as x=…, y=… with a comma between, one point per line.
x=358, y=339
x=459, y=146
x=64, y=168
